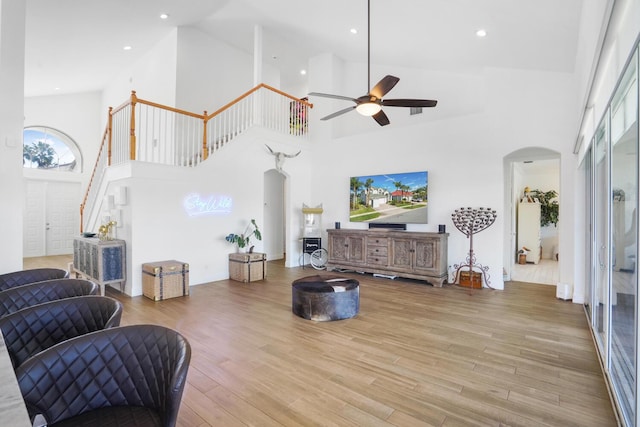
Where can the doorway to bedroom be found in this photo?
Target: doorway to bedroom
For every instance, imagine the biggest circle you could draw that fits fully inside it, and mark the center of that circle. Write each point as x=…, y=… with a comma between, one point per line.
x=533, y=192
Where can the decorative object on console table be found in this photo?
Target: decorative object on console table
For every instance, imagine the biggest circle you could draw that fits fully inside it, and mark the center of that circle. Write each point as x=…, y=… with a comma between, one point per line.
x=471, y=221
x=105, y=232
x=247, y=267
x=165, y=279
x=102, y=261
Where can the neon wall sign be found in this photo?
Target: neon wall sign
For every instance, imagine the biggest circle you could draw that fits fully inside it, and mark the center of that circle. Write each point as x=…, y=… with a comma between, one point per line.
x=197, y=205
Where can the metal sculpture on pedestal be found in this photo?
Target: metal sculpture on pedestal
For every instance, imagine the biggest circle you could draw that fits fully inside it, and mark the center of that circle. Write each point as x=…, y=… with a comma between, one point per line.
x=471, y=221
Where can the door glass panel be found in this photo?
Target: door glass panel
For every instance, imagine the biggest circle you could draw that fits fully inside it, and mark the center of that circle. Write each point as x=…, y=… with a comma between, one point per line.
x=601, y=252
x=624, y=211
x=589, y=247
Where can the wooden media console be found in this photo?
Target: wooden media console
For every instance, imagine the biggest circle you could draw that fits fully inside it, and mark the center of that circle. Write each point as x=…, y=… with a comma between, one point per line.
x=414, y=255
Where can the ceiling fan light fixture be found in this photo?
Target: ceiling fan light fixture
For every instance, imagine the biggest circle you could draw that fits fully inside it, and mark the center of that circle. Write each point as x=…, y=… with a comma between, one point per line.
x=370, y=104
x=368, y=108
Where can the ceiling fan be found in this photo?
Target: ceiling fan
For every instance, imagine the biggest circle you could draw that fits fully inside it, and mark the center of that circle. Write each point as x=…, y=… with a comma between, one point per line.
x=371, y=104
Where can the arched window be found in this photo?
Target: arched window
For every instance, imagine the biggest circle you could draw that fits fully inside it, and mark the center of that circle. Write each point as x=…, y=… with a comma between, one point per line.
x=46, y=148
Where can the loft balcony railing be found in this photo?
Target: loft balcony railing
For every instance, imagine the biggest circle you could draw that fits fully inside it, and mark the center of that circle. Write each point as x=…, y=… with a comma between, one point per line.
x=150, y=132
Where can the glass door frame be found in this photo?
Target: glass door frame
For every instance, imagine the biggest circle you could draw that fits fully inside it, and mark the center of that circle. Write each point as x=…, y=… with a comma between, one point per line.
x=601, y=241
x=600, y=302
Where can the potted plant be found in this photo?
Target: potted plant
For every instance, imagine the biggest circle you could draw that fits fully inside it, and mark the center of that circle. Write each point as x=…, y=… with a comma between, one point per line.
x=243, y=240
x=549, y=208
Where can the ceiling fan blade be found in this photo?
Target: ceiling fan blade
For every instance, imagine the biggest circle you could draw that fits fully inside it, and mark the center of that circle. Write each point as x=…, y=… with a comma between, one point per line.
x=409, y=103
x=327, y=95
x=338, y=113
x=381, y=118
x=384, y=86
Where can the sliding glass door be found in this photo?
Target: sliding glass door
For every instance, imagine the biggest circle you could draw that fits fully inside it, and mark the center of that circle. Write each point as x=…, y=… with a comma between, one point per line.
x=601, y=233
x=612, y=306
x=624, y=238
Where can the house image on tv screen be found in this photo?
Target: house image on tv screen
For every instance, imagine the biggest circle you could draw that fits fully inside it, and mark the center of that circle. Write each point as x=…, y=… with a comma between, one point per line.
x=399, y=198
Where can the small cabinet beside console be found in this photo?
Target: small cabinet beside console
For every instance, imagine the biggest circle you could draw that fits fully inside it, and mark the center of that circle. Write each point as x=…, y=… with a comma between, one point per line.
x=414, y=255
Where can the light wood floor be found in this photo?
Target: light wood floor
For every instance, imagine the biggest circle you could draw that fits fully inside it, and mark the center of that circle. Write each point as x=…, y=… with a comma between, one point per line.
x=414, y=356
x=546, y=272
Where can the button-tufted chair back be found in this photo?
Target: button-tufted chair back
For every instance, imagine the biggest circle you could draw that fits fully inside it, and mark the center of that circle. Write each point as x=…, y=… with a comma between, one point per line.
x=17, y=298
x=36, y=328
x=23, y=277
x=130, y=375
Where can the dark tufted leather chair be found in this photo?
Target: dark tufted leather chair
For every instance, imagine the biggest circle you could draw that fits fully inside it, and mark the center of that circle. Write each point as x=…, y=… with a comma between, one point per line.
x=23, y=277
x=126, y=376
x=33, y=329
x=23, y=296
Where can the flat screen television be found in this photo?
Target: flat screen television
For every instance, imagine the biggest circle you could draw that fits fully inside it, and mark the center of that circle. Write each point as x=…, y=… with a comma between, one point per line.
x=395, y=198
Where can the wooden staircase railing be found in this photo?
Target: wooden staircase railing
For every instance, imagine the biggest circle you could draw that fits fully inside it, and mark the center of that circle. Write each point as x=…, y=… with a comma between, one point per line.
x=146, y=131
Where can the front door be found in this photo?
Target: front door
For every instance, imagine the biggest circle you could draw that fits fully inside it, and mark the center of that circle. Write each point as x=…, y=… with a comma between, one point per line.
x=51, y=218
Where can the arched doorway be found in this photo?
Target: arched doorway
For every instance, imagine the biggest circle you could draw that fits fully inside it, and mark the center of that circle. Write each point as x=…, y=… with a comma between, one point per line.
x=274, y=214
x=538, y=169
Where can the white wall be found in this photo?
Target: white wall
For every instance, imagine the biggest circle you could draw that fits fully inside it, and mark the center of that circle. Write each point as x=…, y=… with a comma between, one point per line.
x=274, y=214
x=78, y=115
x=12, y=25
x=188, y=70
x=153, y=77
x=463, y=151
x=157, y=227
x=622, y=33
x=593, y=22
x=482, y=116
x=211, y=73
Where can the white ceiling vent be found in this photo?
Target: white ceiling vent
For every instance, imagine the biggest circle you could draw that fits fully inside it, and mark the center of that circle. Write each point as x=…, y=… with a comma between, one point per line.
x=415, y=110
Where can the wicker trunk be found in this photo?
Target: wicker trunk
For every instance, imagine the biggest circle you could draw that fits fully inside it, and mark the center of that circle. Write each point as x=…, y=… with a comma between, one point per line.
x=165, y=279
x=247, y=267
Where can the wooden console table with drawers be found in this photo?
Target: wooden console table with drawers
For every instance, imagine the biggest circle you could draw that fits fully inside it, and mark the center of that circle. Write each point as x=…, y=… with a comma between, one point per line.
x=413, y=255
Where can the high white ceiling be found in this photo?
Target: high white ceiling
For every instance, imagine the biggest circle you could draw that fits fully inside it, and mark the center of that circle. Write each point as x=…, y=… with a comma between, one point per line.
x=76, y=46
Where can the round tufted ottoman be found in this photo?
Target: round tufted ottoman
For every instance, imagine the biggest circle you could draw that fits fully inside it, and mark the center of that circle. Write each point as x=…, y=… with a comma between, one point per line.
x=324, y=298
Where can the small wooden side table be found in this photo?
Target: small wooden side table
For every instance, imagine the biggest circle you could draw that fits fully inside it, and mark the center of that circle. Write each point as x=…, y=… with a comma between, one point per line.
x=247, y=267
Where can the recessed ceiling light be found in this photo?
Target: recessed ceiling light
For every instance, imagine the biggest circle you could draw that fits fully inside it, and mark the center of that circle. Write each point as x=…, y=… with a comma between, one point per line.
x=127, y=48
x=353, y=31
x=164, y=16
x=481, y=33
x=303, y=72
x=56, y=88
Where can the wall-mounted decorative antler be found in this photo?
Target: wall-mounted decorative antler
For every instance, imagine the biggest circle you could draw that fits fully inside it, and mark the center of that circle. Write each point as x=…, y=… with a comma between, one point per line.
x=280, y=157
x=471, y=221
